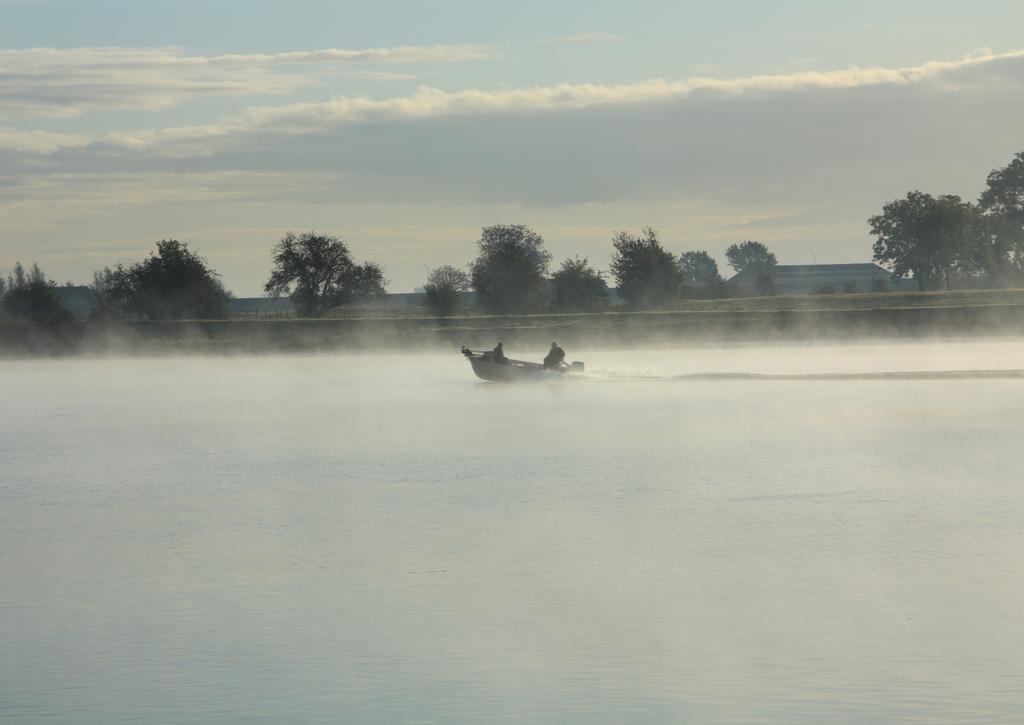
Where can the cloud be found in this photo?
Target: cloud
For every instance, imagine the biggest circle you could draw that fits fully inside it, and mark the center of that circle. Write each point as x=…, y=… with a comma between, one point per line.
x=596, y=36
x=432, y=103
x=400, y=54
x=836, y=144
x=55, y=82
x=376, y=75
x=38, y=142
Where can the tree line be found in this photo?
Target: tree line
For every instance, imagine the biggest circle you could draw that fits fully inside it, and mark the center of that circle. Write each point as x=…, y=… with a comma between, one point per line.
x=511, y=274
x=945, y=242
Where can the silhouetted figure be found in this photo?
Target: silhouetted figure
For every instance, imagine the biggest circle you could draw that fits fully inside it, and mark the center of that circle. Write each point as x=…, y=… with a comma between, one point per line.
x=555, y=357
x=498, y=354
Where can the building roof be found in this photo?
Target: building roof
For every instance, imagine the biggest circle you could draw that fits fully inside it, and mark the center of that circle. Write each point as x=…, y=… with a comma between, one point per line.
x=820, y=271
x=806, y=278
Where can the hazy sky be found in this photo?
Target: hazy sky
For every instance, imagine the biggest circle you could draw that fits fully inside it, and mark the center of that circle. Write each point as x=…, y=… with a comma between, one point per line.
x=404, y=127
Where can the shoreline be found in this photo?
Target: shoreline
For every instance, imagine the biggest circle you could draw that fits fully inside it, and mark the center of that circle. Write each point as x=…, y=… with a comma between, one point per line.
x=611, y=329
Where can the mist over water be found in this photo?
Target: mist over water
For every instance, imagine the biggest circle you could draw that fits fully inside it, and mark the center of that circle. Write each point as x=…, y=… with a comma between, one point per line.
x=770, y=534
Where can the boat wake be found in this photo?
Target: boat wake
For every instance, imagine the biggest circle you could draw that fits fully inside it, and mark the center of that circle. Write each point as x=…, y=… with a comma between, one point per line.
x=619, y=375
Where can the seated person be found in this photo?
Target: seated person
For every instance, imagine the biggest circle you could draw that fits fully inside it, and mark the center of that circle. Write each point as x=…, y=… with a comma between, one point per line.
x=498, y=354
x=555, y=357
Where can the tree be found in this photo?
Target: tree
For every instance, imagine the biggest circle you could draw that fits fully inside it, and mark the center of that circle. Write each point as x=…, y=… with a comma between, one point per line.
x=1002, y=202
x=646, y=274
x=700, y=274
x=936, y=239
x=174, y=283
x=509, y=273
x=444, y=289
x=751, y=255
x=578, y=287
x=112, y=292
x=31, y=294
x=754, y=257
x=318, y=273
x=1004, y=191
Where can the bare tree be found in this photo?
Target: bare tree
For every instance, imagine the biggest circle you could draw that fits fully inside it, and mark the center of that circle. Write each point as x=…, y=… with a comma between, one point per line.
x=317, y=272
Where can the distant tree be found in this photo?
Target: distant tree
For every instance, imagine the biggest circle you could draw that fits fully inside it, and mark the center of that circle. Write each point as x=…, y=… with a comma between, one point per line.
x=175, y=283
x=754, y=257
x=879, y=285
x=751, y=255
x=936, y=239
x=509, y=272
x=1004, y=190
x=444, y=289
x=318, y=274
x=31, y=294
x=112, y=292
x=172, y=283
x=700, y=274
x=1002, y=202
x=647, y=275
x=578, y=287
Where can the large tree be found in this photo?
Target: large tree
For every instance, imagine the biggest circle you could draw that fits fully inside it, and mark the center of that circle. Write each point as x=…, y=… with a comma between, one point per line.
x=30, y=293
x=700, y=273
x=1002, y=201
x=444, y=289
x=578, y=287
x=509, y=273
x=935, y=239
x=647, y=275
x=317, y=272
x=173, y=283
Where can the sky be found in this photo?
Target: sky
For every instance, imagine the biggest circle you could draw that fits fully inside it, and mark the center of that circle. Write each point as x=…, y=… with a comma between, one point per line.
x=404, y=127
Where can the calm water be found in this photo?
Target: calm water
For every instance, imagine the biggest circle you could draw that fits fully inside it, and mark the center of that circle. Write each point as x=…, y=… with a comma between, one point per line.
x=382, y=539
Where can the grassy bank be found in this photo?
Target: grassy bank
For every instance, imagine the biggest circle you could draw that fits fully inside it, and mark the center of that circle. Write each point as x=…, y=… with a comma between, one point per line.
x=861, y=301
x=953, y=314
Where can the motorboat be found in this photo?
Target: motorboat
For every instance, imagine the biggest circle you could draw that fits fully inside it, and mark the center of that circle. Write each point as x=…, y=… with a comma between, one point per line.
x=487, y=367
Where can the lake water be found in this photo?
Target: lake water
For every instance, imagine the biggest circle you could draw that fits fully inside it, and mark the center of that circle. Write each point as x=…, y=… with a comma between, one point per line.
x=384, y=539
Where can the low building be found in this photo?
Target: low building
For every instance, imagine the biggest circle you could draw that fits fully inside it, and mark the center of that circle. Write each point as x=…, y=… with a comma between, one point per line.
x=76, y=299
x=804, y=279
x=260, y=307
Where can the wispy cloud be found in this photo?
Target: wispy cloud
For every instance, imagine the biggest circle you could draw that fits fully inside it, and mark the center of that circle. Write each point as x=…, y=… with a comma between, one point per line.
x=56, y=82
x=595, y=36
x=38, y=142
x=378, y=75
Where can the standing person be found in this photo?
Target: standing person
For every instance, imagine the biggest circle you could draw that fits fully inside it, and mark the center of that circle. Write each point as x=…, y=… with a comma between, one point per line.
x=555, y=357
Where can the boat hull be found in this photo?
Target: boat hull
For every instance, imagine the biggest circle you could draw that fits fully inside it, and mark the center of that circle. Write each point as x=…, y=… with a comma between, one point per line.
x=516, y=370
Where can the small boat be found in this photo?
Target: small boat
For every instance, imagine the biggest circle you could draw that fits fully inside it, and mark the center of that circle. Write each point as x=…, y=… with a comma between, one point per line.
x=487, y=368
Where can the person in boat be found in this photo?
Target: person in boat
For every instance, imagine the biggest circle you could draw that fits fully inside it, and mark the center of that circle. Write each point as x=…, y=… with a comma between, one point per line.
x=496, y=355
x=555, y=357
